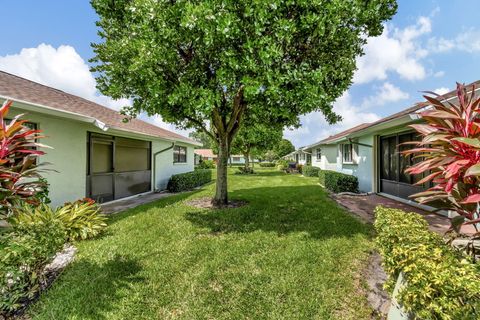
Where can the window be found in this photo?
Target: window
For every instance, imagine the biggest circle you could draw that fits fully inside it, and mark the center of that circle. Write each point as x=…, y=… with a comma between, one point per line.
x=179, y=154
x=236, y=159
x=319, y=154
x=347, y=153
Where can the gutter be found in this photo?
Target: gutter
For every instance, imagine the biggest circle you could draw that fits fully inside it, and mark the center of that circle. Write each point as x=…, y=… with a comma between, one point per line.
x=155, y=164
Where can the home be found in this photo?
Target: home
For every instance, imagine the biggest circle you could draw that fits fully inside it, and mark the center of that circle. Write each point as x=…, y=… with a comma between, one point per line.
x=300, y=156
x=94, y=153
x=372, y=152
x=207, y=154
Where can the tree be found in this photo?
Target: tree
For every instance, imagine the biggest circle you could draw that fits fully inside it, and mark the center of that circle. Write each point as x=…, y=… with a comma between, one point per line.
x=201, y=137
x=283, y=148
x=209, y=63
x=255, y=138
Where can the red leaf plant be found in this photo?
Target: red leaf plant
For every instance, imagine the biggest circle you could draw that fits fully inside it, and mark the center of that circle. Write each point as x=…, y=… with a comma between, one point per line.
x=449, y=155
x=19, y=173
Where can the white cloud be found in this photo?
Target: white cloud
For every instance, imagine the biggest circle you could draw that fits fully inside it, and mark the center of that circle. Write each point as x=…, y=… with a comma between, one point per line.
x=385, y=94
x=314, y=127
x=467, y=40
x=441, y=90
x=439, y=74
x=397, y=51
x=63, y=68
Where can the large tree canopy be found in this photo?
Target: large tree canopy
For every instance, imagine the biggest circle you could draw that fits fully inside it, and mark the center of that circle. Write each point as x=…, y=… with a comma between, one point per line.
x=201, y=63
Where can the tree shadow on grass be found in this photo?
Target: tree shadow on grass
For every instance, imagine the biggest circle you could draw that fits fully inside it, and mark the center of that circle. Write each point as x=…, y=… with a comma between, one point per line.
x=157, y=204
x=102, y=288
x=283, y=210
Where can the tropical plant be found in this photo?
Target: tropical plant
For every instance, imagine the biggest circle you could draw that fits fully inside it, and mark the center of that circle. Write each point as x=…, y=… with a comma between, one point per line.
x=80, y=220
x=449, y=154
x=20, y=178
x=210, y=64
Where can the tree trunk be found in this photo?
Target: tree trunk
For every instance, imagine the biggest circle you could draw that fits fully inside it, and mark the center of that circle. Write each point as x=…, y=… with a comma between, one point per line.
x=246, y=156
x=221, y=194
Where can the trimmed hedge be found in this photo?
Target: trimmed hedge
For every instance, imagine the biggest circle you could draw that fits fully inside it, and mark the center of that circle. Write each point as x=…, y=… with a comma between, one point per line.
x=267, y=164
x=440, y=282
x=338, y=182
x=189, y=180
x=206, y=164
x=310, y=171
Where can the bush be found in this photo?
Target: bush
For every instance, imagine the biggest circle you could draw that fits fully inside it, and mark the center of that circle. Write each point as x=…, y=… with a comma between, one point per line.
x=244, y=170
x=206, y=164
x=267, y=164
x=299, y=167
x=81, y=220
x=310, y=171
x=189, y=180
x=282, y=165
x=24, y=251
x=440, y=283
x=337, y=181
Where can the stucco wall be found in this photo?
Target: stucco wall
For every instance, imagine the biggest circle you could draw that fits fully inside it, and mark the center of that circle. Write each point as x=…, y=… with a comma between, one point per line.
x=68, y=156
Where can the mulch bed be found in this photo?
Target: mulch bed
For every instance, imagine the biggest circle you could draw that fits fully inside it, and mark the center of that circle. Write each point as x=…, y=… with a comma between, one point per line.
x=206, y=203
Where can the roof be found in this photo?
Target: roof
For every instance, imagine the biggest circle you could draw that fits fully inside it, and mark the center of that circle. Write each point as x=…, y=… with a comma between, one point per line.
x=416, y=107
x=20, y=89
x=207, y=153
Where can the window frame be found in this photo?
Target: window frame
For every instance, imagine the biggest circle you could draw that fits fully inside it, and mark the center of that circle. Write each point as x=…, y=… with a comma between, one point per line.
x=177, y=155
x=350, y=148
x=318, y=152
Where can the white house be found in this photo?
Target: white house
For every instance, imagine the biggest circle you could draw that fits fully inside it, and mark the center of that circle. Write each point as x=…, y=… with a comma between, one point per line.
x=94, y=153
x=301, y=156
x=371, y=152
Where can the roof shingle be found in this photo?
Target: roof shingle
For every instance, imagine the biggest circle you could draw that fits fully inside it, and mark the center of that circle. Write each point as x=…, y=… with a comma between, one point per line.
x=18, y=88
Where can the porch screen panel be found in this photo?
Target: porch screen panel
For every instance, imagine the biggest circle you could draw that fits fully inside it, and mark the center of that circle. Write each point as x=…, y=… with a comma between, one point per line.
x=393, y=164
x=131, y=155
x=102, y=155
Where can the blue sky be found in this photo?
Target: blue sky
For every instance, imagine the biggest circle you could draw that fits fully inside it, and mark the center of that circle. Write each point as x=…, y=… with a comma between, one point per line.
x=428, y=45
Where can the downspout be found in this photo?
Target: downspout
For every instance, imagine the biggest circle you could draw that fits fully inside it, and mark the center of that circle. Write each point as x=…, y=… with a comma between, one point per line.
x=155, y=163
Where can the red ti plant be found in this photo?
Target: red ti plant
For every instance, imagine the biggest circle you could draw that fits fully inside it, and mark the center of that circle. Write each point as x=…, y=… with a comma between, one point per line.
x=450, y=155
x=19, y=174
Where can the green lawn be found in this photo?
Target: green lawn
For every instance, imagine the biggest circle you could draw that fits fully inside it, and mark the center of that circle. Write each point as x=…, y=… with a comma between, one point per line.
x=291, y=253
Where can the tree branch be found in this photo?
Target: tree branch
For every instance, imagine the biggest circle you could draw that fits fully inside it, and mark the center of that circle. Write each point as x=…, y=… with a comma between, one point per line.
x=201, y=126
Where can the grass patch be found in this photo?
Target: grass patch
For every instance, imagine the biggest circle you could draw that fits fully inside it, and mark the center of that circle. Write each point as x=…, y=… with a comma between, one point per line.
x=291, y=253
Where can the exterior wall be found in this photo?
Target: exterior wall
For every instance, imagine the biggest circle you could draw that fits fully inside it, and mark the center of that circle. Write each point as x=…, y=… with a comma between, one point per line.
x=165, y=167
x=68, y=156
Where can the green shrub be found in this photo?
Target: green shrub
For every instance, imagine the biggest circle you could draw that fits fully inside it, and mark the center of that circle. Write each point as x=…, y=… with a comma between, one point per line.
x=206, y=164
x=267, y=164
x=338, y=182
x=299, y=167
x=81, y=220
x=440, y=283
x=245, y=170
x=282, y=164
x=310, y=171
x=24, y=251
x=189, y=180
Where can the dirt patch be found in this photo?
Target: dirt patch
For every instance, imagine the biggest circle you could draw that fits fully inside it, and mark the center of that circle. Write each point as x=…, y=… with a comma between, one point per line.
x=206, y=203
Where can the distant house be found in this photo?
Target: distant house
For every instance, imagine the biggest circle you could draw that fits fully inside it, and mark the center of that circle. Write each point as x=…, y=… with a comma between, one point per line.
x=94, y=152
x=207, y=154
x=371, y=152
x=300, y=156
